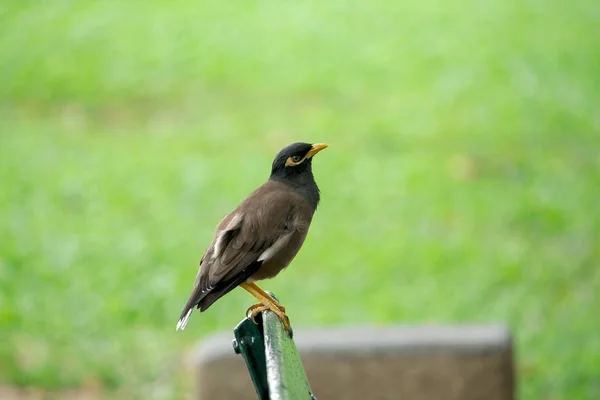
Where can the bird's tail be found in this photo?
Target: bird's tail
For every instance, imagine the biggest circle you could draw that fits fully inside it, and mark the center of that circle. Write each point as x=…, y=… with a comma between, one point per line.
x=183, y=320
x=204, y=299
x=193, y=301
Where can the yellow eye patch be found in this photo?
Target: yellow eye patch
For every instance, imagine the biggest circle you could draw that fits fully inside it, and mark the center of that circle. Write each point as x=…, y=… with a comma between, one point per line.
x=290, y=162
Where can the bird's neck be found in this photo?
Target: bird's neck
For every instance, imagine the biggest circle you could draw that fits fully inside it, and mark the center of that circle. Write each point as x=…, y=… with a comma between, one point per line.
x=310, y=194
x=305, y=186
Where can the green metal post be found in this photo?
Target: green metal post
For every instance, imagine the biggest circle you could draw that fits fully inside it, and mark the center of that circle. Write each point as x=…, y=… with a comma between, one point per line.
x=272, y=359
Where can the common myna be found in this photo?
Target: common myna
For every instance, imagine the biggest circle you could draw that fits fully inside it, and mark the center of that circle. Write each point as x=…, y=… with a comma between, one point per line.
x=261, y=236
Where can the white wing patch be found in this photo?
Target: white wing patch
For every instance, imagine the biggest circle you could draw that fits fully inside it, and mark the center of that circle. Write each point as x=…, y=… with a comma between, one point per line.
x=218, y=246
x=235, y=221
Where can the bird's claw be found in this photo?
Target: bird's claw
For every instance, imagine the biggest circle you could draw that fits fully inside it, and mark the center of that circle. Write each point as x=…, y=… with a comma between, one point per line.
x=278, y=309
x=254, y=310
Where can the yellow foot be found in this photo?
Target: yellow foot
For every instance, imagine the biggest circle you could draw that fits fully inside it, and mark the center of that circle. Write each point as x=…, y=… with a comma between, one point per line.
x=266, y=303
x=278, y=309
x=254, y=310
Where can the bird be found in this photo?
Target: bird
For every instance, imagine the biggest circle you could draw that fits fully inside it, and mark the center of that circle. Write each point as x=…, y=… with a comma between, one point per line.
x=261, y=237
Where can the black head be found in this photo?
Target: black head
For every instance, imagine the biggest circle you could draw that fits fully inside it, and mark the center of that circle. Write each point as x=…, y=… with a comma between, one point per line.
x=293, y=165
x=295, y=161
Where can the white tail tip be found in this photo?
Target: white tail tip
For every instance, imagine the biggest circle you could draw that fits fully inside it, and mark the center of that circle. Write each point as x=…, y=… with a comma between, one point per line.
x=183, y=321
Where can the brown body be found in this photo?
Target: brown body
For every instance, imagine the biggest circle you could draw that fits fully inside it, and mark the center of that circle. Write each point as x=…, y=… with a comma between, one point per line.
x=272, y=221
x=255, y=241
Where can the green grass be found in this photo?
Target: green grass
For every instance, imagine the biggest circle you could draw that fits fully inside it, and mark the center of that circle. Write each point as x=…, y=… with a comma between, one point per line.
x=461, y=184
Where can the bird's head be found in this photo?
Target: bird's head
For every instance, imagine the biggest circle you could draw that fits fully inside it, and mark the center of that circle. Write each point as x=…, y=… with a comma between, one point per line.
x=294, y=162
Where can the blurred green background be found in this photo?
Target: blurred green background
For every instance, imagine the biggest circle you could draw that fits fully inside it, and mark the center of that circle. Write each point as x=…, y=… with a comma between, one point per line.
x=461, y=184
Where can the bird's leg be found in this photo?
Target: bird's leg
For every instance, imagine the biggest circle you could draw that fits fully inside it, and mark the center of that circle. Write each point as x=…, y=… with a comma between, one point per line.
x=266, y=303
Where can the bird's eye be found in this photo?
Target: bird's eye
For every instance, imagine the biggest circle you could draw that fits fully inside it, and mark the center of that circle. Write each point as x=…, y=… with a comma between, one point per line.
x=296, y=159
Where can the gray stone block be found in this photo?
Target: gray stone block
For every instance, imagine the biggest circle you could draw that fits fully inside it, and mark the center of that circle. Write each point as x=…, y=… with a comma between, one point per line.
x=417, y=363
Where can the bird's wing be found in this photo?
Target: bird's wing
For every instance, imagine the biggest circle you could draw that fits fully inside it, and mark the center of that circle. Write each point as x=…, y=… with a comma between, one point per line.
x=244, y=239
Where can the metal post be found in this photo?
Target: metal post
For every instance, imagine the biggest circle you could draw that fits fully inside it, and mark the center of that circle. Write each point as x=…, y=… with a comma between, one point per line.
x=272, y=359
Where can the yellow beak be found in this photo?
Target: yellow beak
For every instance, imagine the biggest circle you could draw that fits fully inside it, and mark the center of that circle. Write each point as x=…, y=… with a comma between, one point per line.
x=317, y=147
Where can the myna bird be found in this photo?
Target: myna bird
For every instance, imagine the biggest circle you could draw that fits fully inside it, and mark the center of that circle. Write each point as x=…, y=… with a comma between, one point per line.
x=261, y=236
